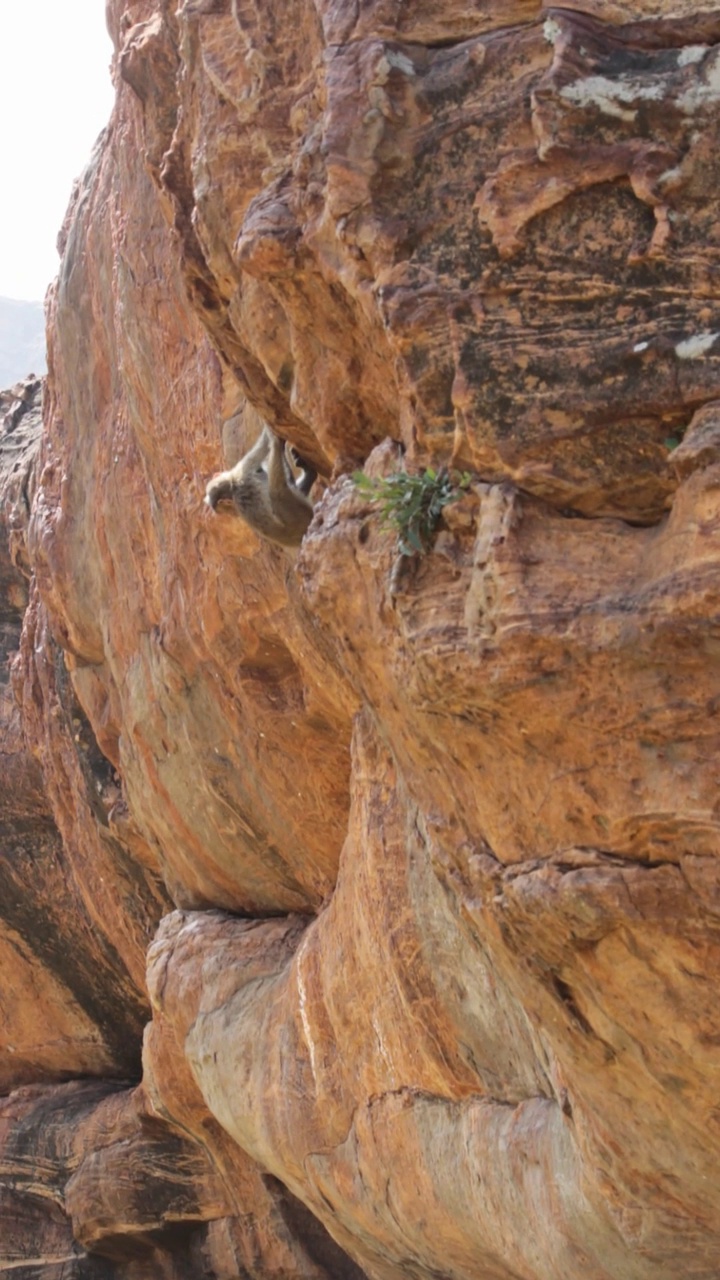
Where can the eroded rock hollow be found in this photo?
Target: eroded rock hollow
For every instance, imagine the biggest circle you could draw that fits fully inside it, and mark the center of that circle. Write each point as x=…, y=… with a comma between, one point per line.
x=361, y=917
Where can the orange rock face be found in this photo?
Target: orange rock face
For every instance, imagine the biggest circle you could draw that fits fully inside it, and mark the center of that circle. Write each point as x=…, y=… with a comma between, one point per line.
x=421, y=853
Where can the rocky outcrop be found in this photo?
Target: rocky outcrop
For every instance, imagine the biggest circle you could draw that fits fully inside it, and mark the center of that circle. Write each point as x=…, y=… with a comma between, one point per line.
x=421, y=855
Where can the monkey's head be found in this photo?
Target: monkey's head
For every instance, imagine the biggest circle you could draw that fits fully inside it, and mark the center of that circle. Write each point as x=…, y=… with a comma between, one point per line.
x=220, y=491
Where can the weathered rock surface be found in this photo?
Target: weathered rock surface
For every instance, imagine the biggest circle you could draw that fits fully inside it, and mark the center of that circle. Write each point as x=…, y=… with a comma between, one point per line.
x=72, y=997
x=425, y=853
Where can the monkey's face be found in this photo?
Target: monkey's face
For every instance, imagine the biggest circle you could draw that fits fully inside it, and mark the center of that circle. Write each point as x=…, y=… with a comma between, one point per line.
x=219, y=495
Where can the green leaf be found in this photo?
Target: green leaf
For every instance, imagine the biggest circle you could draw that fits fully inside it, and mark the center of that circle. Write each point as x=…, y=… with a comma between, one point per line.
x=411, y=504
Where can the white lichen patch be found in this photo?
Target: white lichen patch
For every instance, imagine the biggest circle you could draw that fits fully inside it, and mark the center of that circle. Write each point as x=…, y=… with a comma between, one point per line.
x=696, y=346
x=303, y=1006
x=613, y=96
x=670, y=177
x=704, y=91
x=551, y=30
x=401, y=61
x=691, y=53
x=392, y=59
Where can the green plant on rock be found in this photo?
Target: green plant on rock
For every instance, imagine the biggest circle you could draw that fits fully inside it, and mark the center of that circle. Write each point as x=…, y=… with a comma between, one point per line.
x=412, y=504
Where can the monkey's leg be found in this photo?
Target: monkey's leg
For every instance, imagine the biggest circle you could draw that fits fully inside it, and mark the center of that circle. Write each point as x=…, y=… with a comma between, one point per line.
x=308, y=478
x=291, y=508
x=309, y=473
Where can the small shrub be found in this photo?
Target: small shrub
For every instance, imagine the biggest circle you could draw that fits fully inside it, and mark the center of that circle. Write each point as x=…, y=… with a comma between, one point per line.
x=412, y=504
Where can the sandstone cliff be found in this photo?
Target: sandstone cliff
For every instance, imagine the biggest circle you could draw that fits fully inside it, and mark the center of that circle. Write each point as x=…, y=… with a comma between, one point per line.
x=354, y=922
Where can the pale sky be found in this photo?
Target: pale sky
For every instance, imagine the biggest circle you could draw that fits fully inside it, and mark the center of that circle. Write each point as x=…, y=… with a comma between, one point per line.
x=55, y=97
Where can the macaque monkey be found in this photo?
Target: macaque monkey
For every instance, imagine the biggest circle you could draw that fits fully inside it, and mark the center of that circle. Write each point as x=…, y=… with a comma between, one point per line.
x=265, y=492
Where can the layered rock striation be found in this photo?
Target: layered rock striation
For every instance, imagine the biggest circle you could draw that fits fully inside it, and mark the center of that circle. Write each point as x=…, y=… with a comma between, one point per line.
x=361, y=913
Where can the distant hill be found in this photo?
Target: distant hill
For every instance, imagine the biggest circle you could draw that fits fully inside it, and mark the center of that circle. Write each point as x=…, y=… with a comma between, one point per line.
x=22, y=340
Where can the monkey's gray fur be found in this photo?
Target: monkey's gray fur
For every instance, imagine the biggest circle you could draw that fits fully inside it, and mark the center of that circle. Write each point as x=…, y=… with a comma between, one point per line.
x=265, y=493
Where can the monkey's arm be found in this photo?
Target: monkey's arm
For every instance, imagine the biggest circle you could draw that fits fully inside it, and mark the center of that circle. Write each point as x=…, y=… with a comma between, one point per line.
x=278, y=480
x=255, y=457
